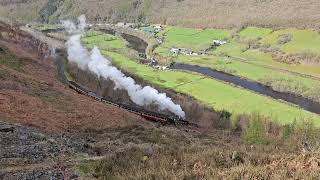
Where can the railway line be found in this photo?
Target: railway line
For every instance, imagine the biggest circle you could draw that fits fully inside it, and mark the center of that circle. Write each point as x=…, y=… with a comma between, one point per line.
x=146, y=114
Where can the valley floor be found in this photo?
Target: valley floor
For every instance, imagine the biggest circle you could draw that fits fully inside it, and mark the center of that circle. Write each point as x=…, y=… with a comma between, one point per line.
x=294, y=79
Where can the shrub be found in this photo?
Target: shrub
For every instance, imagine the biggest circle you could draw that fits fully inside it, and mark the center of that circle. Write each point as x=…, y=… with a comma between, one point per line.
x=266, y=48
x=289, y=130
x=307, y=56
x=284, y=38
x=311, y=136
x=314, y=93
x=224, y=120
x=255, y=132
x=305, y=135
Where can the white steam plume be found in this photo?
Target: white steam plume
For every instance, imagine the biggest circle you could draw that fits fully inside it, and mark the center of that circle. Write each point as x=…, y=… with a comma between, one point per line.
x=102, y=67
x=71, y=28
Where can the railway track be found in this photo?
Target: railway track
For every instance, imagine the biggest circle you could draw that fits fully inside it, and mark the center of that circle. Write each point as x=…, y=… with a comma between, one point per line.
x=146, y=114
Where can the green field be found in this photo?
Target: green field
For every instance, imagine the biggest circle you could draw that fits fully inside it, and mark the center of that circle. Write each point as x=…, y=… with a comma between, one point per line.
x=104, y=41
x=302, y=41
x=218, y=95
x=254, y=33
x=194, y=39
x=260, y=58
x=251, y=63
x=238, y=68
x=278, y=80
x=299, y=41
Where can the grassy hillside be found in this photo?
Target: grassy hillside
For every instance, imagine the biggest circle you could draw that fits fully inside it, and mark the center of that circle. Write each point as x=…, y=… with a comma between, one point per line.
x=201, y=13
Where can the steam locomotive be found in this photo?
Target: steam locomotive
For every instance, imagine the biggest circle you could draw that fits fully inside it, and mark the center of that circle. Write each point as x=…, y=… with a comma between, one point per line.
x=149, y=115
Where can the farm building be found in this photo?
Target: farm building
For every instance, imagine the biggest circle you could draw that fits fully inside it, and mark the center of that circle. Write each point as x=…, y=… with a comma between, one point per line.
x=181, y=51
x=157, y=26
x=175, y=50
x=219, y=42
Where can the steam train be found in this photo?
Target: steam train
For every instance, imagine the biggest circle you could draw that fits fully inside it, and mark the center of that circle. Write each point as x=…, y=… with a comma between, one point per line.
x=149, y=115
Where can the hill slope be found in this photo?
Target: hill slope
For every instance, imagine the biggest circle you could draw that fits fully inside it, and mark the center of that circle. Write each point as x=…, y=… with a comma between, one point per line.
x=201, y=13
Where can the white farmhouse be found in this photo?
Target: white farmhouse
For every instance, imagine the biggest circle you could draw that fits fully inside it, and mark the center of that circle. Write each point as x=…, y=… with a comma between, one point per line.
x=175, y=50
x=219, y=42
x=157, y=26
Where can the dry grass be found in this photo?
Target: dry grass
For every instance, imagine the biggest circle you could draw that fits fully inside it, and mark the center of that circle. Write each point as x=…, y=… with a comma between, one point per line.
x=166, y=153
x=201, y=13
x=22, y=10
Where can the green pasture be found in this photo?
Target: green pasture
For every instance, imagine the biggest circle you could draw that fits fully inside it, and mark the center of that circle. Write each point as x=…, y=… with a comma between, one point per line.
x=194, y=39
x=165, y=52
x=165, y=79
x=254, y=33
x=222, y=96
x=260, y=67
x=303, y=41
x=104, y=41
x=235, y=49
x=297, y=84
x=216, y=94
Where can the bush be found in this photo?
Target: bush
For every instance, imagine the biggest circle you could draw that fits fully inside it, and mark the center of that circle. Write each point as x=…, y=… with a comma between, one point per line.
x=314, y=93
x=288, y=130
x=284, y=38
x=224, y=120
x=256, y=131
x=305, y=135
x=311, y=136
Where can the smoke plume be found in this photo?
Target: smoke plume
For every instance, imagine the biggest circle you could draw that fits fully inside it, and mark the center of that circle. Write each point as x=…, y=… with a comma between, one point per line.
x=102, y=67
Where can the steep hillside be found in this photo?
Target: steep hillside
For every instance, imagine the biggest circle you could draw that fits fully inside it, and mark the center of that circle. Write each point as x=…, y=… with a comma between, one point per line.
x=201, y=13
x=31, y=94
